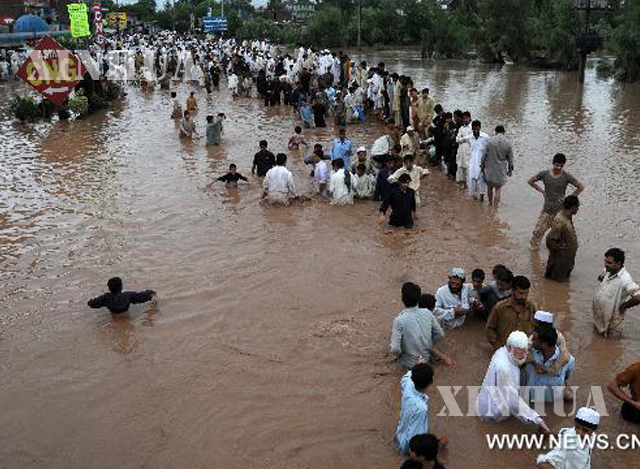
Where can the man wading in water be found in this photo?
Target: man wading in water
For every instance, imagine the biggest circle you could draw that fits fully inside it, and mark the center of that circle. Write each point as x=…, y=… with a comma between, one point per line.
x=402, y=200
x=118, y=301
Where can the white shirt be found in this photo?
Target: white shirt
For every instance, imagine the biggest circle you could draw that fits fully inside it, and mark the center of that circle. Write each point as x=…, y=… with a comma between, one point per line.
x=477, y=148
x=464, y=147
x=614, y=290
x=571, y=454
x=232, y=82
x=446, y=301
x=381, y=146
x=340, y=194
x=364, y=186
x=503, y=379
x=416, y=174
x=278, y=183
x=320, y=172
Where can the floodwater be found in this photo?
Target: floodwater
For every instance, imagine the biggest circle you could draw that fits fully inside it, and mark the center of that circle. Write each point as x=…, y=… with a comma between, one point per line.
x=267, y=346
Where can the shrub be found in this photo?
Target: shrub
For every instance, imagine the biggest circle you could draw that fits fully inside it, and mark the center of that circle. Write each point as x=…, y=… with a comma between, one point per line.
x=79, y=105
x=25, y=108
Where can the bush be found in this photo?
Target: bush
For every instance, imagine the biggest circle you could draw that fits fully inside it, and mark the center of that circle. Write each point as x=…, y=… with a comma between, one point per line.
x=25, y=108
x=79, y=105
x=97, y=101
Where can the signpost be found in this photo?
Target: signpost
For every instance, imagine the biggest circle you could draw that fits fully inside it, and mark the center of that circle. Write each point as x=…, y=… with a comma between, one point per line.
x=79, y=20
x=52, y=70
x=214, y=24
x=97, y=21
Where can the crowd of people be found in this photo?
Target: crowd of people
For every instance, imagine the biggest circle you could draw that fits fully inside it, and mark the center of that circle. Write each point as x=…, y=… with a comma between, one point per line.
x=319, y=85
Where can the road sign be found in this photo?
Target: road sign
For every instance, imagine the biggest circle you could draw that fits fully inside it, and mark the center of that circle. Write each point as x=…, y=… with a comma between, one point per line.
x=52, y=70
x=79, y=20
x=97, y=22
x=213, y=24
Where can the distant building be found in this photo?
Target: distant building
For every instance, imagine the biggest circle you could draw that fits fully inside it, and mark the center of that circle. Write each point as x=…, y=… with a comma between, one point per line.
x=302, y=10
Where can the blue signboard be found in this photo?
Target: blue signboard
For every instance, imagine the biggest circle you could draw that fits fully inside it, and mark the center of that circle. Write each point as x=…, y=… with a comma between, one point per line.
x=214, y=24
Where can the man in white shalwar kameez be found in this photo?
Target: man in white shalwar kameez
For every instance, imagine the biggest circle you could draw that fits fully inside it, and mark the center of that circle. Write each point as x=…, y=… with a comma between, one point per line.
x=341, y=184
x=477, y=140
x=499, y=396
x=278, y=183
x=463, y=156
x=576, y=444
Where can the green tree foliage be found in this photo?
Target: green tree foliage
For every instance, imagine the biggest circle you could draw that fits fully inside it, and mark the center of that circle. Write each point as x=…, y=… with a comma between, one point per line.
x=142, y=9
x=555, y=27
x=505, y=29
x=626, y=43
x=443, y=34
x=327, y=28
x=259, y=28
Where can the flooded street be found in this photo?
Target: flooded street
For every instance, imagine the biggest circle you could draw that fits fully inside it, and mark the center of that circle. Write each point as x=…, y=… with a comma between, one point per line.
x=268, y=344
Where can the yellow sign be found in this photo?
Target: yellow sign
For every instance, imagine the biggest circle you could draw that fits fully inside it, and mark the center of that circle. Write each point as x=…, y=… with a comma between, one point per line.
x=79, y=19
x=117, y=19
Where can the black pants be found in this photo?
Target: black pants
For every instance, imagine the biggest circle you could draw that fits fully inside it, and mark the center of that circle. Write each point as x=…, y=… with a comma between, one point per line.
x=401, y=221
x=630, y=413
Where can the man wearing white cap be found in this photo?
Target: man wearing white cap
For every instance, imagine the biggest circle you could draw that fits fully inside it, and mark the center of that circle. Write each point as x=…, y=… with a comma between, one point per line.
x=452, y=300
x=410, y=142
x=574, y=451
x=544, y=318
x=547, y=383
x=499, y=396
x=416, y=172
x=361, y=158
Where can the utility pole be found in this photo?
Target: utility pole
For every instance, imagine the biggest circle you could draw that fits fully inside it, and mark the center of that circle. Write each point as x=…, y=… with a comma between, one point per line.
x=359, y=22
x=582, y=59
x=222, y=8
x=590, y=41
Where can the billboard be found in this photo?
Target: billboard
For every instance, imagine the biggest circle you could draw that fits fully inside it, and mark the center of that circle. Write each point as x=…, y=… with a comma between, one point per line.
x=214, y=24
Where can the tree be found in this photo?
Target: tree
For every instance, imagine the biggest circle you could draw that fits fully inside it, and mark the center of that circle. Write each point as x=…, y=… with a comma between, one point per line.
x=142, y=9
x=555, y=26
x=259, y=28
x=626, y=43
x=327, y=28
x=505, y=28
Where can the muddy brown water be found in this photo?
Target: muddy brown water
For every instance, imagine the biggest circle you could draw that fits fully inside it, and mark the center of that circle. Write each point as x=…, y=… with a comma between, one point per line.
x=267, y=345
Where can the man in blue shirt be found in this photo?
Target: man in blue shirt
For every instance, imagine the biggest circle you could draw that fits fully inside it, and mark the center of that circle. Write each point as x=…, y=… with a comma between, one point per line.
x=414, y=411
x=342, y=148
x=540, y=373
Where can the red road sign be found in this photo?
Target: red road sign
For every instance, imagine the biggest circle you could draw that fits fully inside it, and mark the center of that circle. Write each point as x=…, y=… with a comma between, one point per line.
x=52, y=70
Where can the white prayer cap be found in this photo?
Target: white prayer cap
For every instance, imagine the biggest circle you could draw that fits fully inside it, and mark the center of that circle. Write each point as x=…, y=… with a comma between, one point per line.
x=361, y=149
x=518, y=339
x=457, y=272
x=409, y=128
x=588, y=415
x=543, y=316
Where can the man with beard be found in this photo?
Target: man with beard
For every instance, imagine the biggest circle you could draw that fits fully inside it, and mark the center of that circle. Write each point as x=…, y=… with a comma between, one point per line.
x=512, y=314
x=452, y=300
x=499, y=396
